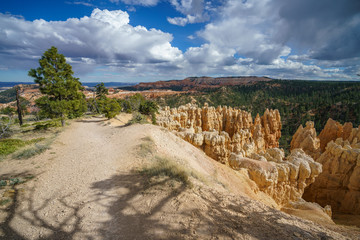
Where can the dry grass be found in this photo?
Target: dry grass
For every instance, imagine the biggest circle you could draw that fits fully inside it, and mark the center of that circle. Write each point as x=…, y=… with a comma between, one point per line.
x=146, y=147
x=166, y=167
x=34, y=149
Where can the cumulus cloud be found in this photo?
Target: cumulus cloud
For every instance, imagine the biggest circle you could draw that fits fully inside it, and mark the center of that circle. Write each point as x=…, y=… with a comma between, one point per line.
x=304, y=39
x=104, y=38
x=195, y=11
x=267, y=33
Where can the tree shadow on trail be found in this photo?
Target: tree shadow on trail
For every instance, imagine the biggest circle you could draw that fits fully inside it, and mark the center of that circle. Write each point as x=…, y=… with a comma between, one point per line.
x=206, y=215
x=136, y=208
x=133, y=213
x=34, y=218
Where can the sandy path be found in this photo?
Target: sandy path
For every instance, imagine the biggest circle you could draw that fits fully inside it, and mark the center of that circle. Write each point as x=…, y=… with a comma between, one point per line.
x=85, y=189
x=68, y=200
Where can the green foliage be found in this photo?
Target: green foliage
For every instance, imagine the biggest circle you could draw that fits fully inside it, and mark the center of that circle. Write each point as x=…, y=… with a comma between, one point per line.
x=44, y=125
x=4, y=201
x=24, y=103
x=135, y=101
x=149, y=108
x=101, y=91
x=110, y=107
x=138, y=118
x=63, y=96
x=125, y=104
x=30, y=152
x=8, y=146
x=8, y=111
x=8, y=95
x=166, y=167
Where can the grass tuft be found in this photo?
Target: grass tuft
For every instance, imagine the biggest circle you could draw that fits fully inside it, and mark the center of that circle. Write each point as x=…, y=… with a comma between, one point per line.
x=45, y=125
x=8, y=146
x=166, y=167
x=138, y=118
x=30, y=152
x=146, y=147
x=4, y=201
x=35, y=149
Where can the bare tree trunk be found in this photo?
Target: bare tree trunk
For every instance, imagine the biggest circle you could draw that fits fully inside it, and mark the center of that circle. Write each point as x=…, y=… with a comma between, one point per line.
x=62, y=120
x=95, y=103
x=18, y=105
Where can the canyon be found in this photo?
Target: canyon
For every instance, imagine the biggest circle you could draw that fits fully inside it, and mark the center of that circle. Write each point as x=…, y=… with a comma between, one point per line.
x=324, y=169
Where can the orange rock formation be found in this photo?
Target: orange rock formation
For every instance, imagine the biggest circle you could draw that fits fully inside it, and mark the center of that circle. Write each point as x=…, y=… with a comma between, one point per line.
x=337, y=149
x=232, y=137
x=306, y=139
x=223, y=130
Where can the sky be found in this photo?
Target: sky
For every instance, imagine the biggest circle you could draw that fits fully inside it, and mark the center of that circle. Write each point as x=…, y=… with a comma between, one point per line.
x=150, y=40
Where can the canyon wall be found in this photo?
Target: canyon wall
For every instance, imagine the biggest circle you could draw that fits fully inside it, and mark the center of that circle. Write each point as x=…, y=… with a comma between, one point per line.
x=337, y=149
x=232, y=137
x=223, y=130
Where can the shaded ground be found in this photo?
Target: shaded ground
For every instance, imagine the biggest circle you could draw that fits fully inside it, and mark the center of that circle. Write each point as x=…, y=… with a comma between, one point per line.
x=86, y=187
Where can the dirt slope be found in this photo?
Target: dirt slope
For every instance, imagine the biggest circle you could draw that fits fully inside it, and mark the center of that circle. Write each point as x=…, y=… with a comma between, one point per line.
x=87, y=187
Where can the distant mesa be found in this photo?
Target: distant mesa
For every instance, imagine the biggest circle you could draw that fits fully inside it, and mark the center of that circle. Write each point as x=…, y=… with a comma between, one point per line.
x=198, y=83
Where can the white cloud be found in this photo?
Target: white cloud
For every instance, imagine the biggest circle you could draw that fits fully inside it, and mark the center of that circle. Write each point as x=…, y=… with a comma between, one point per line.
x=250, y=37
x=255, y=36
x=195, y=11
x=105, y=37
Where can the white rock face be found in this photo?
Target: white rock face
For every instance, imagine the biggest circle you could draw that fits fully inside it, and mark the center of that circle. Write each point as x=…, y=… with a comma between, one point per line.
x=284, y=179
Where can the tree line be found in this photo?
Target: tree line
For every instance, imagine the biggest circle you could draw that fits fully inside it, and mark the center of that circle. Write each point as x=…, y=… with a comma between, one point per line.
x=297, y=102
x=63, y=97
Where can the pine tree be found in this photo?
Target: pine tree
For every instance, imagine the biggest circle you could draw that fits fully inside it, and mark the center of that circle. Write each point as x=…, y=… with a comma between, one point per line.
x=63, y=96
x=101, y=91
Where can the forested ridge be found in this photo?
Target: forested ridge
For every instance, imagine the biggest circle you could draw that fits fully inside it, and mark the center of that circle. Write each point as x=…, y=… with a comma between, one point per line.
x=298, y=102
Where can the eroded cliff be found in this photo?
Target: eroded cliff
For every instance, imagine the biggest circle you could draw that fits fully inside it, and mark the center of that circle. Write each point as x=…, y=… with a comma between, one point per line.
x=339, y=183
x=337, y=149
x=223, y=130
x=231, y=136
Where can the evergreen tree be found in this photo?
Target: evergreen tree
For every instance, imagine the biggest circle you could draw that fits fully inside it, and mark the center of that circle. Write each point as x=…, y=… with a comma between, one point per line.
x=101, y=91
x=63, y=96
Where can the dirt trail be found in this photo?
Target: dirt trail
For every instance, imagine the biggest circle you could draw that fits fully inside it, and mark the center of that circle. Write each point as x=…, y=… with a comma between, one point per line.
x=86, y=188
x=68, y=200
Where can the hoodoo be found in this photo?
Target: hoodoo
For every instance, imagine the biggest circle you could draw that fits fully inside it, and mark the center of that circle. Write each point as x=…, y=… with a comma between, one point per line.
x=232, y=137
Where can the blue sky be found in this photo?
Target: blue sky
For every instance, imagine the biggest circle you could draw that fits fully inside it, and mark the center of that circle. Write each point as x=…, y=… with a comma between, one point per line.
x=148, y=40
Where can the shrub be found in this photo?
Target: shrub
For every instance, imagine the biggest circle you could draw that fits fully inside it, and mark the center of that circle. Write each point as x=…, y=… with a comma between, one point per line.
x=126, y=106
x=138, y=118
x=149, y=108
x=47, y=124
x=110, y=107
